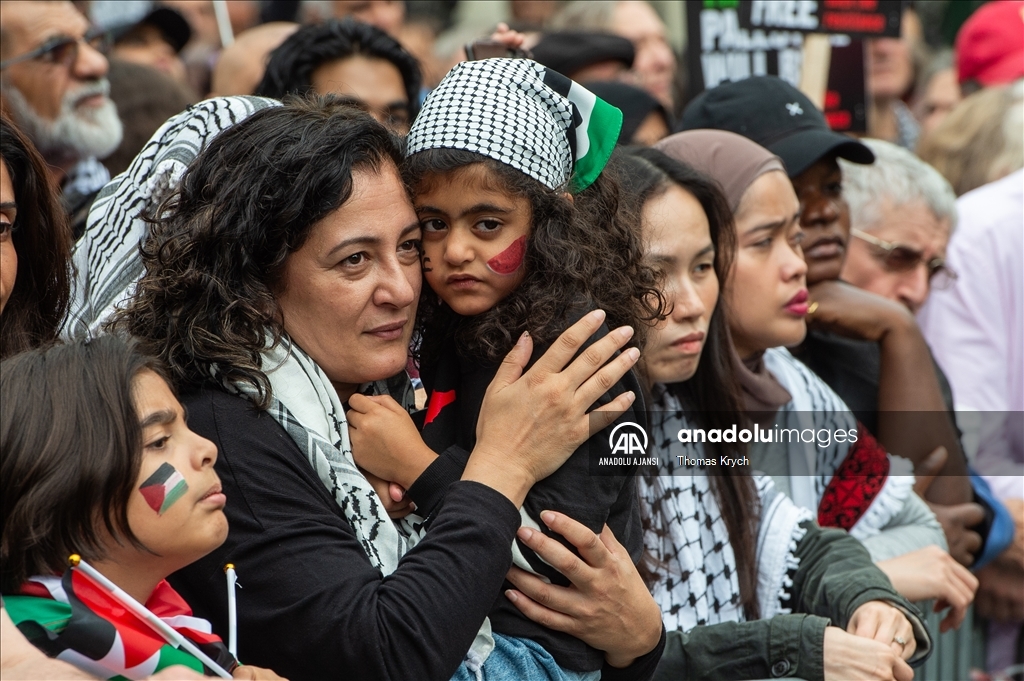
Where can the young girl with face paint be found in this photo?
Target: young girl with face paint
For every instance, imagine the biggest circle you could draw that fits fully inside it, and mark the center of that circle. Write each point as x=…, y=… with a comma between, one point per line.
x=97, y=460
x=521, y=234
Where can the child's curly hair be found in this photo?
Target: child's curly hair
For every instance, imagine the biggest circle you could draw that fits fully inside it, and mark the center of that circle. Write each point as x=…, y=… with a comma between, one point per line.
x=580, y=255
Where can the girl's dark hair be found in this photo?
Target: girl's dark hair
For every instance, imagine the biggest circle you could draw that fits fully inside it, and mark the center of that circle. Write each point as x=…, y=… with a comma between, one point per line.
x=42, y=239
x=70, y=450
x=291, y=65
x=580, y=255
x=711, y=396
x=217, y=247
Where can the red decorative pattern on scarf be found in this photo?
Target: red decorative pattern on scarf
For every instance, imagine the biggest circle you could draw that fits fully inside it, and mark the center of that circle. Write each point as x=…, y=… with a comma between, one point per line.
x=855, y=485
x=438, y=401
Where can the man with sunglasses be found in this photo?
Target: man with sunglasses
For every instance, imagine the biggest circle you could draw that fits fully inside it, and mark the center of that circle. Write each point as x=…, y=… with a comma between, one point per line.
x=53, y=84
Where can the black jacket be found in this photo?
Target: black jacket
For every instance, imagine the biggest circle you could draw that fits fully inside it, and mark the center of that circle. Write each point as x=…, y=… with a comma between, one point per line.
x=835, y=577
x=311, y=606
x=580, y=489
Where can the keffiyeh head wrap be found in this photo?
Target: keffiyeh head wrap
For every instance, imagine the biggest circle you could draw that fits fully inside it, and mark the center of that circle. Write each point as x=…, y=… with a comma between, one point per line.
x=523, y=115
x=107, y=257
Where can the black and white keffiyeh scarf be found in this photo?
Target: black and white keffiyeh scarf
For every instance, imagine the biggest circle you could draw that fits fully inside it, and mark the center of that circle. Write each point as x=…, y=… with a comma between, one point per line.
x=305, y=403
x=698, y=580
x=812, y=468
x=107, y=257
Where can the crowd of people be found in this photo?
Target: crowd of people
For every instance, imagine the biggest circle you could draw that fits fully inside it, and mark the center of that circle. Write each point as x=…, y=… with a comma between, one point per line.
x=350, y=300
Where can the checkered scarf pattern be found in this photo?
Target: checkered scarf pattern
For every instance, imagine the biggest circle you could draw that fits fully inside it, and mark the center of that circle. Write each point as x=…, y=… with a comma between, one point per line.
x=698, y=579
x=107, y=259
x=305, y=403
x=521, y=114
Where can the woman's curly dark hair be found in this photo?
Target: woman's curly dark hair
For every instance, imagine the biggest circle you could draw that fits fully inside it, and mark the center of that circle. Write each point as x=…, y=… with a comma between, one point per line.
x=580, y=255
x=39, y=301
x=218, y=246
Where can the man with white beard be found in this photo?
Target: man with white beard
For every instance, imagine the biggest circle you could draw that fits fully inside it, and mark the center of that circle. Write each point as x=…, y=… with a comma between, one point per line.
x=53, y=84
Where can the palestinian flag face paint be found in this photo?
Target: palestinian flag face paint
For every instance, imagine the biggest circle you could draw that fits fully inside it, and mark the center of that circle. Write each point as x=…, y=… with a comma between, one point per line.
x=163, y=488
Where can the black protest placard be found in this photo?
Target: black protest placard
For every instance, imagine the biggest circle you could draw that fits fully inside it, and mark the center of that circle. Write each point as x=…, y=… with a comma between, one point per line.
x=845, y=97
x=720, y=49
x=729, y=40
x=855, y=18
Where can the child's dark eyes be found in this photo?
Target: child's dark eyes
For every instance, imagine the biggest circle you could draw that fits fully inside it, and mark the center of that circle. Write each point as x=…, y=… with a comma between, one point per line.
x=159, y=443
x=488, y=225
x=433, y=225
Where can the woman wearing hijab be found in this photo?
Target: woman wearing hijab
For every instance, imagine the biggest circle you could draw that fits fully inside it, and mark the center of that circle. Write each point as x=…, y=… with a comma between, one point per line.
x=832, y=466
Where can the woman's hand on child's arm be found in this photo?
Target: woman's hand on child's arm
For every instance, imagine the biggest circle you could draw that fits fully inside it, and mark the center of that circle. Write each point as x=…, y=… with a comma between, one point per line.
x=385, y=441
x=531, y=422
x=608, y=605
x=246, y=671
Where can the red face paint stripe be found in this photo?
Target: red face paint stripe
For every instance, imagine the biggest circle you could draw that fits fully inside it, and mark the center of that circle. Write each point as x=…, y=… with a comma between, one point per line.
x=509, y=260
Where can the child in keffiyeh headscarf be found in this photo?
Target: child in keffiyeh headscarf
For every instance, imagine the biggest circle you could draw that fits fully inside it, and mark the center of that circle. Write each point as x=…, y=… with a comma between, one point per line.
x=521, y=232
x=98, y=461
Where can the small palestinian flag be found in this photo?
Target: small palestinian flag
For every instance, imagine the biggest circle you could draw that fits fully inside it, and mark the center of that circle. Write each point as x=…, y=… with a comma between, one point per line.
x=163, y=488
x=524, y=115
x=75, y=620
x=595, y=130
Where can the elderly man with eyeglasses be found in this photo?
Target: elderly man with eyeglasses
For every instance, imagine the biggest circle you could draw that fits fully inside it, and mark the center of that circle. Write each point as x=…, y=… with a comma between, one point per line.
x=902, y=213
x=53, y=84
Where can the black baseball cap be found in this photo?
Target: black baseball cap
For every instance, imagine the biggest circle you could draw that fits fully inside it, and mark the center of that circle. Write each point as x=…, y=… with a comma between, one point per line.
x=118, y=19
x=776, y=115
x=570, y=51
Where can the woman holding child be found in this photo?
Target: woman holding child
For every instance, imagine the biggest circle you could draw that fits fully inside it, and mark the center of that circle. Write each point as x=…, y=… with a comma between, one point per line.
x=282, y=309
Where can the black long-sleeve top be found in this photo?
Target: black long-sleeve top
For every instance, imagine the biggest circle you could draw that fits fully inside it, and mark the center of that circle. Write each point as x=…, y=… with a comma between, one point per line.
x=311, y=605
x=592, y=495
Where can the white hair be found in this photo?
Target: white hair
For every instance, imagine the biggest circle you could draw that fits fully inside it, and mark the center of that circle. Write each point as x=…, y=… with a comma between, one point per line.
x=896, y=178
x=77, y=133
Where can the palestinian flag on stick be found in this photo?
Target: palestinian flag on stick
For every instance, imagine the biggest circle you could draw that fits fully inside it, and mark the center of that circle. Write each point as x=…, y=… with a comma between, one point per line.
x=75, y=620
